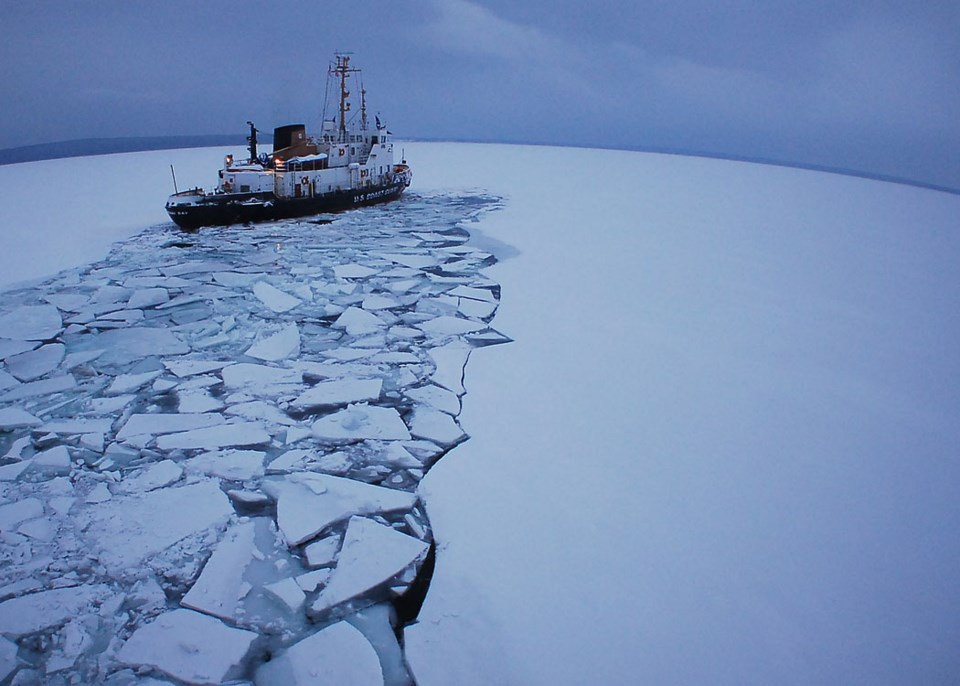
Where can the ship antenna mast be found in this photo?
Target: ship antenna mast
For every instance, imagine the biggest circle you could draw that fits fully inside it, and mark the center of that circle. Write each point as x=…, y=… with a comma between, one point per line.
x=343, y=70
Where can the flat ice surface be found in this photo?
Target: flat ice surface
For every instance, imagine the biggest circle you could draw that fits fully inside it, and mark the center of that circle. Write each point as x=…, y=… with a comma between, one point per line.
x=338, y=654
x=219, y=589
x=723, y=447
x=339, y=392
x=189, y=646
x=31, y=613
x=361, y=422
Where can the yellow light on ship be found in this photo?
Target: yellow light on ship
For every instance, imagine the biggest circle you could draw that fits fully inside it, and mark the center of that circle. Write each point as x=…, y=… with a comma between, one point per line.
x=229, y=159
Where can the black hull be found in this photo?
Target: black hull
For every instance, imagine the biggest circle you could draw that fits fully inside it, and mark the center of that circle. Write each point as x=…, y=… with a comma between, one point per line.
x=226, y=209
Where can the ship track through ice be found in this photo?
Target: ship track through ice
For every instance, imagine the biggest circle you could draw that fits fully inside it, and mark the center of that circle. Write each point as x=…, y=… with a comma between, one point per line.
x=350, y=164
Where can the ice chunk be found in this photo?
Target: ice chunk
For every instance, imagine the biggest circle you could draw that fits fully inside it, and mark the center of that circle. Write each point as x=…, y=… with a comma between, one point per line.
x=36, y=363
x=450, y=360
x=77, y=426
x=288, y=461
x=148, y=297
x=481, y=294
x=259, y=409
x=134, y=343
x=198, y=401
x=15, y=418
x=322, y=553
x=157, y=475
x=56, y=459
x=185, y=368
x=476, y=308
x=309, y=503
x=288, y=593
x=436, y=397
x=396, y=454
x=8, y=658
x=339, y=392
x=127, y=530
x=353, y=271
x=100, y=494
x=127, y=383
x=32, y=389
x=7, y=381
x=220, y=588
x=156, y=424
x=70, y=302
x=233, y=465
x=339, y=654
x=359, y=422
x=189, y=646
x=310, y=581
x=371, y=555
x=12, y=472
x=450, y=326
x=73, y=639
x=13, y=513
x=31, y=323
x=211, y=438
x=93, y=442
x=378, y=302
x=274, y=298
x=436, y=426
x=358, y=322
x=259, y=377
x=279, y=346
x=414, y=261
x=235, y=280
x=29, y=614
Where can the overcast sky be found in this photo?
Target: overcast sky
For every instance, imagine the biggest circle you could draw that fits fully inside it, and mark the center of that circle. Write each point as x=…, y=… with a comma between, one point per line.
x=868, y=85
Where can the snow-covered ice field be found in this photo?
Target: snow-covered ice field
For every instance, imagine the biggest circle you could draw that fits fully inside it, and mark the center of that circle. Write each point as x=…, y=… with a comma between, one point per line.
x=721, y=448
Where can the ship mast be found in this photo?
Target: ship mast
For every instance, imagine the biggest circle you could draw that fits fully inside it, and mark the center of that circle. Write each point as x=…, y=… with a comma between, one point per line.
x=343, y=70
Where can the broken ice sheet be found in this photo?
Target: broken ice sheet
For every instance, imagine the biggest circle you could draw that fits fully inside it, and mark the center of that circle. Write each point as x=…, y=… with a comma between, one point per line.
x=189, y=646
x=371, y=554
x=338, y=654
x=221, y=585
x=338, y=392
x=28, y=614
x=232, y=465
x=240, y=434
x=309, y=503
x=274, y=298
x=33, y=364
x=31, y=323
x=359, y=422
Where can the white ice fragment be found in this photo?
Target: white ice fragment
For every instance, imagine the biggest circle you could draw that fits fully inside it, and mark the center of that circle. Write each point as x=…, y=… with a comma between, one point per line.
x=279, y=346
x=93, y=442
x=259, y=378
x=338, y=392
x=36, y=363
x=347, y=354
x=77, y=426
x=148, y=297
x=339, y=654
x=73, y=360
x=359, y=422
x=29, y=614
x=199, y=401
x=413, y=261
x=353, y=271
x=189, y=646
x=12, y=472
x=481, y=294
x=7, y=381
x=322, y=553
x=13, y=513
x=309, y=503
x=378, y=302
x=185, y=368
x=371, y=554
x=233, y=465
x=218, y=590
x=248, y=497
x=260, y=410
x=100, y=494
x=15, y=418
x=70, y=302
x=396, y=358
x=335, y=463
x=131, y=344
x=32, y=389
x=17, y=447
x=31, y=323
x=288, y=461
x=61, y=504
x=476, y=309
x=436, y=397
x=56, y=459
x=274, y=298
x=450, y=326
x=8, y=658
x=156, y=424
x=358, y=322
x=128, y=383
x=110, y=405
x=396, y=454
x=288, y=593
x=223, y=436
x=310, y=581
x=129, y=529
x=450, y=359
x=436, y=426
x=163, y=385
x=39, y=529
x=157, y=475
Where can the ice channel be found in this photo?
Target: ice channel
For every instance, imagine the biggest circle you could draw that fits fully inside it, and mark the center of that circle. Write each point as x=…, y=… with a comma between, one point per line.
x=211, y=444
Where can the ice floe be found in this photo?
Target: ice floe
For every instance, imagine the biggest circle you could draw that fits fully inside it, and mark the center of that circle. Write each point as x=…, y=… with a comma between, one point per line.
x=338, y=654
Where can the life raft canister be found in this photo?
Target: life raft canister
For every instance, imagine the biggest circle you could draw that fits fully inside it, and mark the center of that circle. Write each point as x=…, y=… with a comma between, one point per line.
x=304, y=180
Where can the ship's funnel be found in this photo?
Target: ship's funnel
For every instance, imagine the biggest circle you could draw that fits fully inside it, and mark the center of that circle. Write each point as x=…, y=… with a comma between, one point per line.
x=285, y=136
